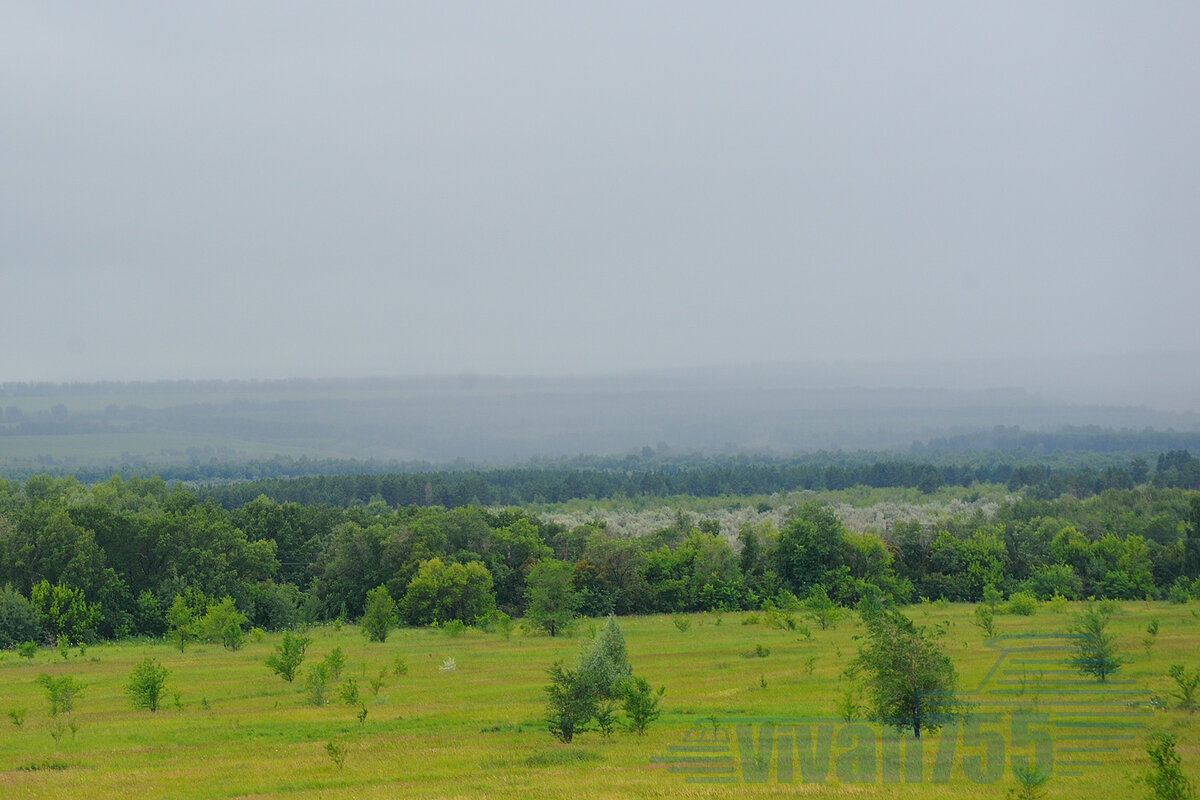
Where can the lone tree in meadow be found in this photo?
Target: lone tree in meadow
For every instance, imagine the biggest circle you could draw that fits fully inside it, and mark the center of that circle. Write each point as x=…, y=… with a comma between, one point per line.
x=605, y=666
x=910, y=681
x=288, y=656
x=147, y=684
x=1096, y=649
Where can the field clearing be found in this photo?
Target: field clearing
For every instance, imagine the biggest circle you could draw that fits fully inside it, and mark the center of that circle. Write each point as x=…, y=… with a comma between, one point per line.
x=239, y=731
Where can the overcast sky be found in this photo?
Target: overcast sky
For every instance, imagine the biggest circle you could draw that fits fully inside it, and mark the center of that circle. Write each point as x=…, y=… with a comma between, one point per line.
x=300, y=189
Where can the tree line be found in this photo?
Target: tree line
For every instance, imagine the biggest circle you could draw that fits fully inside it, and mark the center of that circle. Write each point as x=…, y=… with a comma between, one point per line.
x=114, y=559
x=699, y=477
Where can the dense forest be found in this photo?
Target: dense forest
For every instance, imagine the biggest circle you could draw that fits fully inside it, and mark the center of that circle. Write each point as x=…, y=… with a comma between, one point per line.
x=648, y=476
x=124, y=557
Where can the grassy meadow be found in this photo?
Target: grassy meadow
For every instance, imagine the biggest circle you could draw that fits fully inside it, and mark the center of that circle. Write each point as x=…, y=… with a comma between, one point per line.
x=229, y=727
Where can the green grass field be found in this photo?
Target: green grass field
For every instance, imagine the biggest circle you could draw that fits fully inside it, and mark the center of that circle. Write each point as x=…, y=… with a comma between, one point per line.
x=238, y=730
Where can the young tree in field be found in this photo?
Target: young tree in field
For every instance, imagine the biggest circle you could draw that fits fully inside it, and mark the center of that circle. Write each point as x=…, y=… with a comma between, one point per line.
x=571, y=703
x=222, y=622
x=1187, y=685
x=1096, y=648
x=288, y=656
x=550, y=592
x=60, y=692
x=1166, y=779
x=985, y=620
x=606, y=664
x=181, y=623
x=640, y=704
x=910, y=681
x=823, y=610
x=380, y=614
x=147, y=684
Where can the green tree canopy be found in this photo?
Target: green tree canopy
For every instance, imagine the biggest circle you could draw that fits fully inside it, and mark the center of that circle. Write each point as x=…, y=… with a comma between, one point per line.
x=911, y=682
x=380, y=615
x=551, y=596
x=442, y=592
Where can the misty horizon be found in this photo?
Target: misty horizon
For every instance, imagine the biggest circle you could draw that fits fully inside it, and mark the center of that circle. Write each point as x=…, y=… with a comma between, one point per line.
x=284, y=190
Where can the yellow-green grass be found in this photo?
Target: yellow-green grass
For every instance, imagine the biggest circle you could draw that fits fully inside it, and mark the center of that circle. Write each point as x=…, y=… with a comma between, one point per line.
x=478, y=730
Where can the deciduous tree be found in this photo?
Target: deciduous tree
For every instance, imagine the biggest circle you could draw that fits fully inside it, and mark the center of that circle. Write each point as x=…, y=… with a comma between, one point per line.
x=911, y=682
x=550, y=592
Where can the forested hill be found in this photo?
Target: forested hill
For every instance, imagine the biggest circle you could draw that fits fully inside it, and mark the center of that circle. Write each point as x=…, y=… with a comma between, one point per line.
x=711, y=477
x=495, y=421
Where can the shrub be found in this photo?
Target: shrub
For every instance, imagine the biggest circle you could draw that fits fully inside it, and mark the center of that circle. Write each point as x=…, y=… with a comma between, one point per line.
x=334, y=662
x=780, y=620
x=1151, y=635
x=605, y=665
x=315, y=684
x=850, y=705
x=64, y=612
x=147, y=684
x=1031, y=781
x=276, y=605
x=640, y=704
x=606, y=719
x=823, y=610
x=1058, y=604
x=222, y=622
x=1186, y=684
x=18, y=619
x=349, y=691
x=376, y=683
x=1166, y=779
x=1096, y=648
x=336, y=752
x=571, y=703
x=288, y=656
x=496, y=621
x=1180, y=591
x=380, y=615
x=1021, y=603
x=985, y=620
x=181, y=623
x=60, y=692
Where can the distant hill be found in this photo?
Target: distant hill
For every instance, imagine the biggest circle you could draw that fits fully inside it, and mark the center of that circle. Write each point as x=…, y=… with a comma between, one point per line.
x=505, y=420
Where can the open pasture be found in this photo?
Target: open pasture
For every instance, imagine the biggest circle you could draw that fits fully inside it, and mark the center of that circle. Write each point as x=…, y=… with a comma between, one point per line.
x=230, y=728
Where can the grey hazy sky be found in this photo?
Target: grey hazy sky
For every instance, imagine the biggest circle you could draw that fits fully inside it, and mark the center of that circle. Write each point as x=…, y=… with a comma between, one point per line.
x=304, y=189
